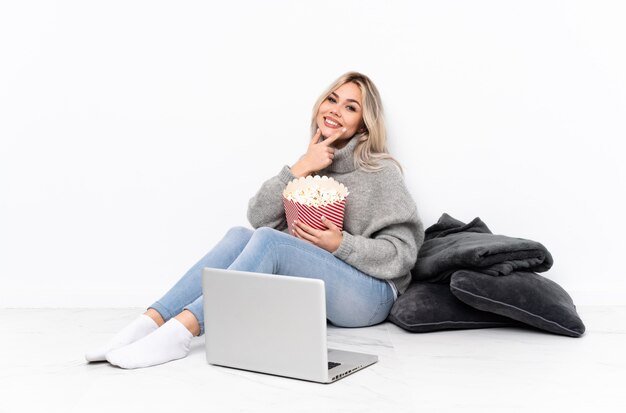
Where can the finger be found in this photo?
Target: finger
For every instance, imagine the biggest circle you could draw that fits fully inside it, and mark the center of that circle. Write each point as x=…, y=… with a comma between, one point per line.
x=329, y=224
x=316, y=138
x=332, y=138
x=293, y=231
x=304, y=235
x=307, y=229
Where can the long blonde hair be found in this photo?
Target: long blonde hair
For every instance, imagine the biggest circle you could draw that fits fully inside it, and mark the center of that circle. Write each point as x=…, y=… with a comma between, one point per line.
x=372, y=145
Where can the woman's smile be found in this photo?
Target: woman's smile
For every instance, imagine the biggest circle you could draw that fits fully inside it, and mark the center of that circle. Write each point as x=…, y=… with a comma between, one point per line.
x=332, y=123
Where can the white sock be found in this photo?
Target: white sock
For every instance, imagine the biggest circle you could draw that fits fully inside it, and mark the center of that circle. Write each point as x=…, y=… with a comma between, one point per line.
x=171, y=341
x=140, y=327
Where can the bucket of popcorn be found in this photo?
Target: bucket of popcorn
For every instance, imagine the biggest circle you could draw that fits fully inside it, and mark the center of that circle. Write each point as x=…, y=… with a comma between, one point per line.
x=308, y=198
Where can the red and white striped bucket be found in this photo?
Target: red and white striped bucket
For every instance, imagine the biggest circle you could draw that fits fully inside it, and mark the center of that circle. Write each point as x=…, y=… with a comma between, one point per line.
x=310, y=213
x=312, y=216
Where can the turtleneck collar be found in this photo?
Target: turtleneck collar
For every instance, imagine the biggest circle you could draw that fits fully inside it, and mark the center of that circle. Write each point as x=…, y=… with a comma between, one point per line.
x=344, y=158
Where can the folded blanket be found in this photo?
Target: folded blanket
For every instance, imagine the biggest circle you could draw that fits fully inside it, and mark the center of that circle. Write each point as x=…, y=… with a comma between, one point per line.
x=451, y=245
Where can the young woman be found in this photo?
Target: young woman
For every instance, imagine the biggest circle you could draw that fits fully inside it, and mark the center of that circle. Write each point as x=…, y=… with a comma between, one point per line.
x=365, y=267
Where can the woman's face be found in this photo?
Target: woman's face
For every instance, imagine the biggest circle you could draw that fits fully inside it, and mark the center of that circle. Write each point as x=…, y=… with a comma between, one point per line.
x=341, y=109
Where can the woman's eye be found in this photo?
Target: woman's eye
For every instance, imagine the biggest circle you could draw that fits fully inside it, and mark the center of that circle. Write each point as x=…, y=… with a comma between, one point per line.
x=332, y=99
x=351, y=108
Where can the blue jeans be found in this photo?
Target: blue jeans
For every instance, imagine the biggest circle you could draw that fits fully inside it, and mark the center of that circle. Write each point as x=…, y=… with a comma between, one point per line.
x=353, y=299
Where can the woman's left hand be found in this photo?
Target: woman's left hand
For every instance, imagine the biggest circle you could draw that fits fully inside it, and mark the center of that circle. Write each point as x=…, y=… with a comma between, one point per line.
x=328, y=239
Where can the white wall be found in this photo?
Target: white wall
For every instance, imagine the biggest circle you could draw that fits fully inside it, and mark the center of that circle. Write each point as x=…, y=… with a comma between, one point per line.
x=133, y=133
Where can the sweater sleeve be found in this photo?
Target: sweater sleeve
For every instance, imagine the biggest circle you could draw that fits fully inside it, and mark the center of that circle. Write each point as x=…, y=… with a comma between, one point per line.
x=265, y=209
x=388, y=254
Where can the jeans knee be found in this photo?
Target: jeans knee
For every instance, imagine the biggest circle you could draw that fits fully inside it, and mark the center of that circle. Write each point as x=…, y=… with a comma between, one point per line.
x=262, y=241
x=239, y=232
x=264, y=233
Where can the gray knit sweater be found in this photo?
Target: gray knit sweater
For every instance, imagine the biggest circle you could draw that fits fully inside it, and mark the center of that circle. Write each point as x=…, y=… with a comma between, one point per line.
x=382, y=231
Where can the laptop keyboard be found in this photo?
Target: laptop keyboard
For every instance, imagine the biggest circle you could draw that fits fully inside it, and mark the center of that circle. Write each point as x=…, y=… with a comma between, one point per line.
x=332, y=364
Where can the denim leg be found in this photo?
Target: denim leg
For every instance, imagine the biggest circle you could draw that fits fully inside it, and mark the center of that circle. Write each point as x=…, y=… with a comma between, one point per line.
x=353, y=299
x=189, y=288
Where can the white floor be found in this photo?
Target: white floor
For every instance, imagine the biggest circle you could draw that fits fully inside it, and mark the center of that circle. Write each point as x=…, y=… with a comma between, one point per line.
x=42, y=369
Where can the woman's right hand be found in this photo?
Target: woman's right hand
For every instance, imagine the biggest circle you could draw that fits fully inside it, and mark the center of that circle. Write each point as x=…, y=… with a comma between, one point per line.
x=318, y=156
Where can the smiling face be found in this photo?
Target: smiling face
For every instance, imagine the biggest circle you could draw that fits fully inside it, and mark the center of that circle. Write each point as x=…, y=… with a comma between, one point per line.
x=341, y=109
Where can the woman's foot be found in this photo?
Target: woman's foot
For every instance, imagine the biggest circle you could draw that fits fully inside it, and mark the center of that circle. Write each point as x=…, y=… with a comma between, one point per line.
x=170, y=342
x=139, y=328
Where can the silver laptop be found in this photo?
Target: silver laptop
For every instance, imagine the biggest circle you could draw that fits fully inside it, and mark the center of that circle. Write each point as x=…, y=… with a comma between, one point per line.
x=272, y=324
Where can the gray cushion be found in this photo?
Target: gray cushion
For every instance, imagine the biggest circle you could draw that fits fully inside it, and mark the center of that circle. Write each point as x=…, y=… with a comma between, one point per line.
x=428, y=307
x=523, y=296
x=452, y=245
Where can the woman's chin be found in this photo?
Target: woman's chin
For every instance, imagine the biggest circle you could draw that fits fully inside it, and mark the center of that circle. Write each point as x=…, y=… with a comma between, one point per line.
x=326, y=131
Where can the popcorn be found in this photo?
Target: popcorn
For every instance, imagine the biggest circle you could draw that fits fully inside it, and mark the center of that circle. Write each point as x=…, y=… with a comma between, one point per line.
x=307, y=199
x=314, y=196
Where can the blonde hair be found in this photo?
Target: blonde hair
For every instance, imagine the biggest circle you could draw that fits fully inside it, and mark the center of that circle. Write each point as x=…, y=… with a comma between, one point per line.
x=372, y=146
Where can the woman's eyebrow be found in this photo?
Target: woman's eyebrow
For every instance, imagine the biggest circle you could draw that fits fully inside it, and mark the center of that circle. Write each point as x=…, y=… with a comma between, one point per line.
x=349, y=100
